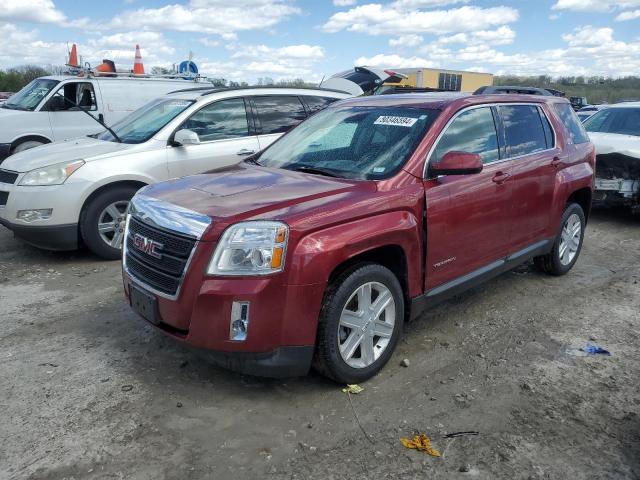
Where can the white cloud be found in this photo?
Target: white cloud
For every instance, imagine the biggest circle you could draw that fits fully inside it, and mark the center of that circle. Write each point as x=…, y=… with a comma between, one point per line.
x=376, y=19
x=589, y=36
x=594, y=5
x=344, y=3
x=630, y=15
x=38, y=11
x=394, y=61
x=406, y=41
x=209, y=43
x=208, y=16
x=414, y=4
x=502, y=36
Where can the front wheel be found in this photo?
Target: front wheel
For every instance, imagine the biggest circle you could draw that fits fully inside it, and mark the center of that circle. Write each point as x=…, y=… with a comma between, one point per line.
x=360, y=324
x=567, y=245
x=103, y=221
x=26, y=146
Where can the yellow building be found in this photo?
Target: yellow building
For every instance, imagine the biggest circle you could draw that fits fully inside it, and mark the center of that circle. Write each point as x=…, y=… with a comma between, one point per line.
x=453, y=80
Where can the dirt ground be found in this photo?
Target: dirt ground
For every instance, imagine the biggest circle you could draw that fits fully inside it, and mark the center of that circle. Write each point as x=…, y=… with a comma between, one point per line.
x=87, y=390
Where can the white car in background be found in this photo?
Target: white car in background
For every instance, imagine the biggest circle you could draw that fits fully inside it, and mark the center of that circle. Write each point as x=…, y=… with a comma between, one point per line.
x=60, y=195
x=45, y=110
x=586, y=112
x=615, y=131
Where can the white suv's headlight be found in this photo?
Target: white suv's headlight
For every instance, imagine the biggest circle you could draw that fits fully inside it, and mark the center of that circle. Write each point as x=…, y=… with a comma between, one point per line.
x=250, y=248
x=52, y=175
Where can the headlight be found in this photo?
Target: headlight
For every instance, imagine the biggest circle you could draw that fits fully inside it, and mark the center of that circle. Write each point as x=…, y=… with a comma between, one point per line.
x=250, y=248
x=51, y=175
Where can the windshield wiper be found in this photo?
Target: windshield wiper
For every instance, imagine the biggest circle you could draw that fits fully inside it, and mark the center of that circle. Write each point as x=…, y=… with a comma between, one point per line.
x=313, y=170
x=116, y=137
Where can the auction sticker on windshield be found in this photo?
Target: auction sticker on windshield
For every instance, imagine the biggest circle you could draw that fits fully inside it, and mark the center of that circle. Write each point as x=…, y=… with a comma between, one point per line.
x=395, y=121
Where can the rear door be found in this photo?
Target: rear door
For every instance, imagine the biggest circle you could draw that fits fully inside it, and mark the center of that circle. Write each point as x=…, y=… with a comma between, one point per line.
x=468, y=215
x=276, y=115
x=531, y=148
x=225, y=139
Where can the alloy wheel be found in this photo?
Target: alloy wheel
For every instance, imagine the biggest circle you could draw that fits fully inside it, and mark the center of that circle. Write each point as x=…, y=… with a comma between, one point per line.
x=570, y=239
x=366, y=324
x=111, y=223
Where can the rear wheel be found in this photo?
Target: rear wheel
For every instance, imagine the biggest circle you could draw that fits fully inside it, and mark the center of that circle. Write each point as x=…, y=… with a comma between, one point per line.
x=103, y=221
x=360, y=323
x=567, y=245
x=26, y=146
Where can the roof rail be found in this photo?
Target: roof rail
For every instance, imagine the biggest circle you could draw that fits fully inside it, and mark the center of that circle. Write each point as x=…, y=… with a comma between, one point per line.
x=212, y=90
x=517, y=90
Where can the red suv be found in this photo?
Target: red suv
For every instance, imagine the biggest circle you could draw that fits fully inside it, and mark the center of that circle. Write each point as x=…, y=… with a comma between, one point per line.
x=319, y=249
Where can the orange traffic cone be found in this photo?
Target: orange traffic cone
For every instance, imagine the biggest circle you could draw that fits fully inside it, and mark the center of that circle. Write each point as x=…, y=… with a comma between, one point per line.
x=73, y=57
x=138, y=67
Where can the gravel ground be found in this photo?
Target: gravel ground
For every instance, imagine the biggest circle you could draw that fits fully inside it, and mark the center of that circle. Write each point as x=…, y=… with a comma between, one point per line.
x=87, y=390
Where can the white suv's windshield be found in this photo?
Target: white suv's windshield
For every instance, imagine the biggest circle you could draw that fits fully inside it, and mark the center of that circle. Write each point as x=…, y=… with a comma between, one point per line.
x=352, y=142
x=145, y=122
x=624, y=121
x=31, y=95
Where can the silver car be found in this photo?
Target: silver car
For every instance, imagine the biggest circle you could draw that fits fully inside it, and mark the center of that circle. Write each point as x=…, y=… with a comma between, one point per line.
x=61, y=195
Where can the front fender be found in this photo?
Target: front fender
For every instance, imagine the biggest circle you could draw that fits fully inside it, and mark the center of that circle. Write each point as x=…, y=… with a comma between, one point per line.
x=318, y=254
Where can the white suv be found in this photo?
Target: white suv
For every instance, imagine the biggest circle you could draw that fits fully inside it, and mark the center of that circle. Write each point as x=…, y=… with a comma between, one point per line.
x=60, y=195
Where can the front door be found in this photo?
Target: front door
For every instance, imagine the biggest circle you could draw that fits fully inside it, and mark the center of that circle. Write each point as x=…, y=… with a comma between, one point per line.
x=225, y=139
x=467, y=215
x=67, y=121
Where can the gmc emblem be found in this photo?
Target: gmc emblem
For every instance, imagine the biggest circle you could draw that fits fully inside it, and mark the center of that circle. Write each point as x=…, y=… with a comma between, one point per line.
x=148, y=246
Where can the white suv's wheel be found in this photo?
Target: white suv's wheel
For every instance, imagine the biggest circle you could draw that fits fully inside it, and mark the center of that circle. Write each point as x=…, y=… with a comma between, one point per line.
x=360, y=323
x=26, y=146
x=103, y=220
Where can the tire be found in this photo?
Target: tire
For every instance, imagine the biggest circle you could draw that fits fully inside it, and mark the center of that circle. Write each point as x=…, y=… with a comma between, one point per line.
x=563, y=257
x=100, y=210
x=26, y=146
x=334, y=338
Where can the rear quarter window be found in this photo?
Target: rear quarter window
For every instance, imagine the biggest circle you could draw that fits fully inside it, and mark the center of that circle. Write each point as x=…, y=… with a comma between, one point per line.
x=573, y=126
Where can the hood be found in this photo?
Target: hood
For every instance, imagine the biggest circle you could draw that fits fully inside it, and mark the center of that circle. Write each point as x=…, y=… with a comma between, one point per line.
x=86, y=148
x=606, y=143
x=245, y=191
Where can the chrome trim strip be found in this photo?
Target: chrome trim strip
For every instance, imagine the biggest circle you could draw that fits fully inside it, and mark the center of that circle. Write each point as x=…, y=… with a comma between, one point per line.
x=489, y=105
x=166, y=215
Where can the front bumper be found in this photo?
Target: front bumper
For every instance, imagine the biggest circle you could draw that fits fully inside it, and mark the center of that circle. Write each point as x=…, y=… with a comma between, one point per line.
x=5, y=151
x=616, y=191
x=54, y=237
x=282, y=320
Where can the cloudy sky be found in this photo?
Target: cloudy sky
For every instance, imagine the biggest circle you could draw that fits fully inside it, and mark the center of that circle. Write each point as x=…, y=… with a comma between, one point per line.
x=248, y=39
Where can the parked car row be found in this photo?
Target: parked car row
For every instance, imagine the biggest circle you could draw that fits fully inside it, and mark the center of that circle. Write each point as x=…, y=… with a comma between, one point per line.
x=310, y=248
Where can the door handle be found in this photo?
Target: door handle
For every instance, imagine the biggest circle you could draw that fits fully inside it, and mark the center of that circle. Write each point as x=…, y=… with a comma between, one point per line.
x=245, y=152
x=556, y=161
x=500, y=177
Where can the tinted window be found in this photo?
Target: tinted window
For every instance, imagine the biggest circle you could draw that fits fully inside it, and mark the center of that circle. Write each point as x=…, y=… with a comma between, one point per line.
x=352, y=142
x=548, y=132
x=473, y=131
x=575, y=130
x=220, y=120
x=318, y=103
x=625, y=121
x=523, y=129
x=450, y=82
x=277, y=114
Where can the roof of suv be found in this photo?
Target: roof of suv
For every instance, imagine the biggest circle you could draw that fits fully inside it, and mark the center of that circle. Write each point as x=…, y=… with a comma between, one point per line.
x=439, y=100
x=195, y=93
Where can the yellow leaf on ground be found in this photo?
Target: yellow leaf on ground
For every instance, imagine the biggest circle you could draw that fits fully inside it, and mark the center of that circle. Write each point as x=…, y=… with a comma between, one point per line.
x=354, y=389
x=420, y=442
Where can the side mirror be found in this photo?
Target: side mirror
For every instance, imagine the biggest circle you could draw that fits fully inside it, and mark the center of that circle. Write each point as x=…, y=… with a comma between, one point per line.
x=56, y=103
x=457, y=163
x=186, y=137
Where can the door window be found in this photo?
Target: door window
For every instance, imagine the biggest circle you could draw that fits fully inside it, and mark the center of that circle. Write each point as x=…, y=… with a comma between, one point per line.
x=318, y=103
x=524, y=130
x=219, y=121
x=71, y=94
x=278, y=114
x=473, y=131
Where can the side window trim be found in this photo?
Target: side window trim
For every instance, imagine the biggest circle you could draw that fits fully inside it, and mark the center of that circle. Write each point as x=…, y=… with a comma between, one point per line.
x=500, y=134
x=544, y=118
x=246, y=112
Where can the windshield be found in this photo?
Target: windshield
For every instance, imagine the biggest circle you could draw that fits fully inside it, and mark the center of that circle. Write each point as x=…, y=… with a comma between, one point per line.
x=30, y=96
x=354, y=142
x=145, y=122
x=624, y=121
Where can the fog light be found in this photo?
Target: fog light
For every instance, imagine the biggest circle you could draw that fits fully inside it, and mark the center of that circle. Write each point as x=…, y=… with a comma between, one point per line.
x=239, y=321
x=33, y=215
